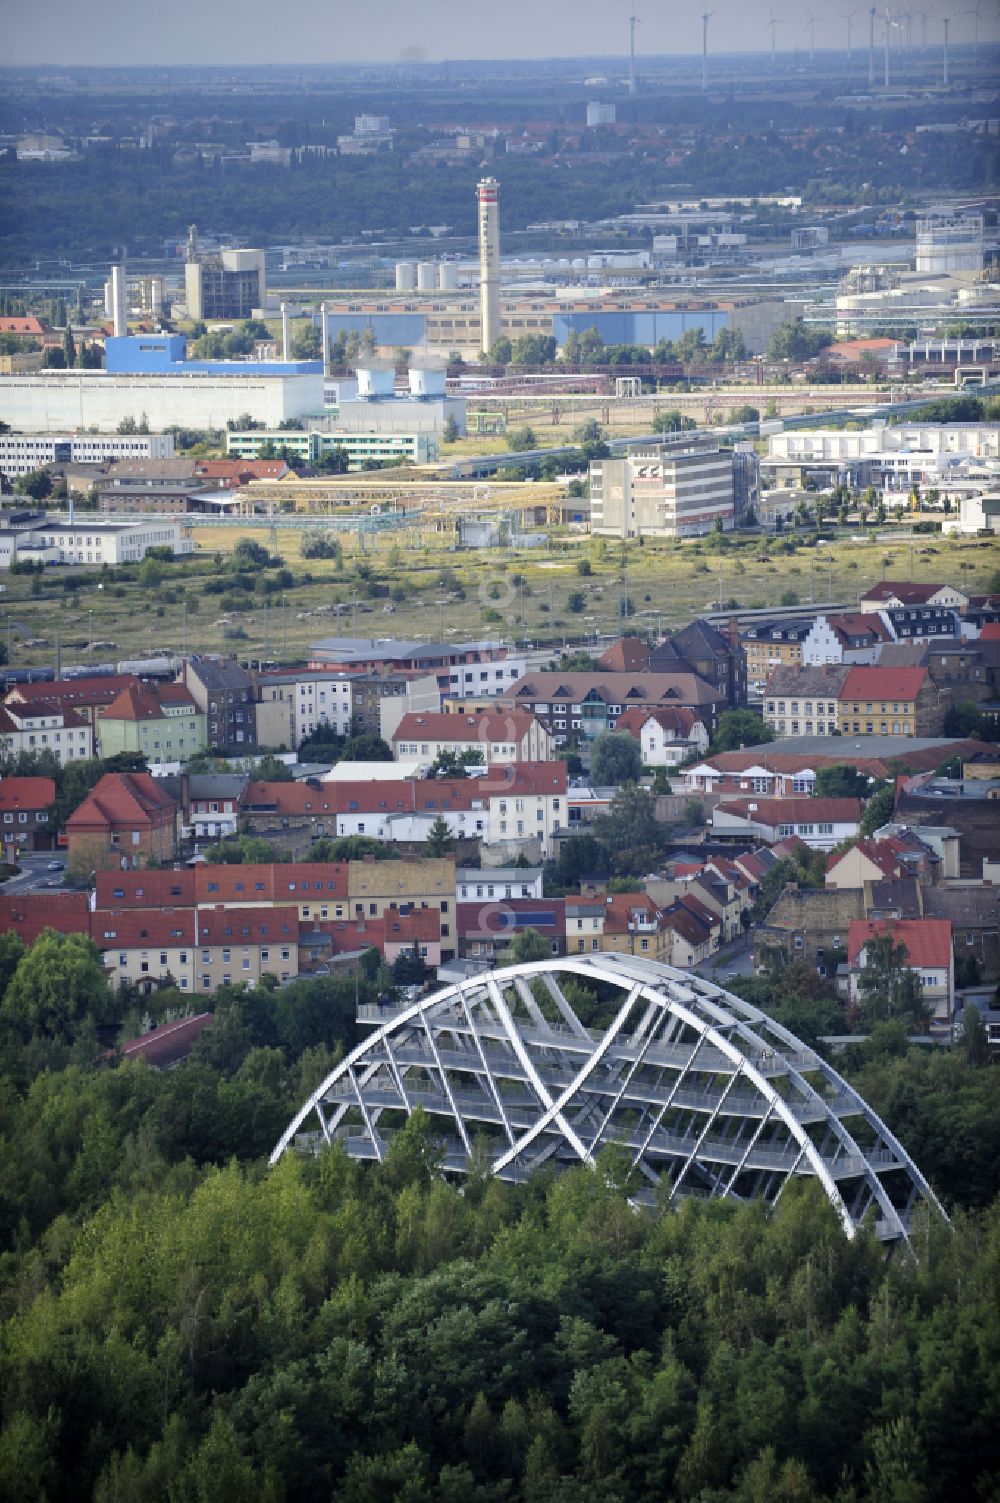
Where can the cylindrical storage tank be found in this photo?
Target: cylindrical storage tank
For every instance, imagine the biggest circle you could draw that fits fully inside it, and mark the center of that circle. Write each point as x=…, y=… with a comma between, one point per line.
x=448, y=276
x=426, y=276
x=376, y=381
x=425, y=383
x=406, y=276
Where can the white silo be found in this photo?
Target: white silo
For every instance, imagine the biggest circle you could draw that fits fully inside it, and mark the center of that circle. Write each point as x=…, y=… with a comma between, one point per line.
x=376, y=381
x=426, y=276
x=448, y=276
x=406, y=276
x=426, y=383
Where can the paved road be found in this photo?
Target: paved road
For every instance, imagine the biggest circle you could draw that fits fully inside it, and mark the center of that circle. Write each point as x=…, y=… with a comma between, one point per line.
x=35, y=875
x=733, y=959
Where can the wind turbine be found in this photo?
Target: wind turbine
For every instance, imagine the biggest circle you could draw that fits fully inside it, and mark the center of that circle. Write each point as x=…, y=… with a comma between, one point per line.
x=848, y=16
x=871, y=48
x=632, y=21
x=889, y=23
x=811, y=28
x=774, y=23
x=705, y=17
x=923, y=14
x=975, y=14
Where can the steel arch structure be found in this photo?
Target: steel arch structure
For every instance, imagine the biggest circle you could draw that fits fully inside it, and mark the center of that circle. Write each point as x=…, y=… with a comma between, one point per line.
x=709, y=1095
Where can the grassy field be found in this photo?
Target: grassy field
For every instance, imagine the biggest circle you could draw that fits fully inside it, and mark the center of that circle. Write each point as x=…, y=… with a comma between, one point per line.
x=407, y=588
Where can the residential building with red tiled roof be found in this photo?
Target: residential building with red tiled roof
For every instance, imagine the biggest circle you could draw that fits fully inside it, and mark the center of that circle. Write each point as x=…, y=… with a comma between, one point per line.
x=161, y=721
x=318, y=889
x=156, y=888
x=891, y=702
x=168, y=1044
x=273, y=807
x=862, y=351
x=498, y=736
x=238, y=945
x=769, y=771
x=44, y=725
x=519, y=802
x=627, y=655
x=487, y=930
x=145, y=946
x=25, y=805
x=88, y=697
x=634, y=925
x=821, y=823
x=232, y=474
x=903, y=592
x=29, y=914
x=929, y=952
x=24, y=325
x=691, y=934
x=867, y=861
x=666, y=737
x=127, y=820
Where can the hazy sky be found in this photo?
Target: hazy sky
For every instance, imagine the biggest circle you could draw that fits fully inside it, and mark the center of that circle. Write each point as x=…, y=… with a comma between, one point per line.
x=97, y=32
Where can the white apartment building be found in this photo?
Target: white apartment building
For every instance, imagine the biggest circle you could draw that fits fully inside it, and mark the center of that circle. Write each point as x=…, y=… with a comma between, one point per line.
x=495, y=882
x=305, y=699
x=676, y=489
x=44, y=727
x=530, y=810
x=499, y=736
x=20, y=453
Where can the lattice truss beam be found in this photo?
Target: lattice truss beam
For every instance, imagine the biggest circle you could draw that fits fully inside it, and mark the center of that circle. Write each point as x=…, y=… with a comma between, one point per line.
x=710, y=1096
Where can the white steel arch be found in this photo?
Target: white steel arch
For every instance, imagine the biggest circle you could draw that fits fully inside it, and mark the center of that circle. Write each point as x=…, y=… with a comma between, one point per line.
x=710, y=1095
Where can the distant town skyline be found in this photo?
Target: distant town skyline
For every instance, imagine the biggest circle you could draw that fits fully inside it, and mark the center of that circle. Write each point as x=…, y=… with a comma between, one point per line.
x=101, y=32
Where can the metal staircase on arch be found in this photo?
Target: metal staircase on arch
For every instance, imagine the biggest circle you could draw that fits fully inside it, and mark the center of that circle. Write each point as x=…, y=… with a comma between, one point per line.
x=708, y=1095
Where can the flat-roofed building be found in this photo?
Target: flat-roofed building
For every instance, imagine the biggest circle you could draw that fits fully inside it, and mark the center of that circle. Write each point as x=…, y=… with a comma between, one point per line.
x=675, y=489
x=20, y=453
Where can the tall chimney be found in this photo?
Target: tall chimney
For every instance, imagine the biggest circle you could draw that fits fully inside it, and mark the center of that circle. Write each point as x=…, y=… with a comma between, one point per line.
x=325, y=322
x=488, y=194
x=119, y=301
x=286, y=339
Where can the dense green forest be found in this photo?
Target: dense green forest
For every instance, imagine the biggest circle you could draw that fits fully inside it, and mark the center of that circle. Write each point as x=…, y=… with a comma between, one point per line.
x=87, y=209
x=179, y=1323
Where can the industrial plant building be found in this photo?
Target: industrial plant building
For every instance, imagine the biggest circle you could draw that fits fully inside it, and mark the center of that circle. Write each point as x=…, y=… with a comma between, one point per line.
x=681, y=488
x=224, y=284
x=148, y=376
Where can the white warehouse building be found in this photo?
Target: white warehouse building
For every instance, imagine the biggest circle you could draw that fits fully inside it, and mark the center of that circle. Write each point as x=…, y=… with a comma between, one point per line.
x=49, y=540
x=60, y=400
